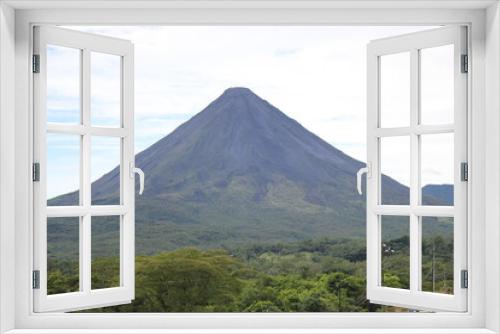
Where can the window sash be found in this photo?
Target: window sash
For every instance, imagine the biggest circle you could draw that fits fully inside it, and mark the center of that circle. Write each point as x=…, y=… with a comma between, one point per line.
x=414, y=298
x=85, y=297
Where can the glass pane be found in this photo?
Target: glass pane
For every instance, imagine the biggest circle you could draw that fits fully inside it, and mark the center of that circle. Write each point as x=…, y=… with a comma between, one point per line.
x=395, y=169
x=437, y=171
x=63, y=249
x=105, y=81
x=63, y=84
x=63, y=169
x=105, y=252
x=395, y=90
x=395, y=248
x=437, y=254
x=437, y=85
x=106, y=157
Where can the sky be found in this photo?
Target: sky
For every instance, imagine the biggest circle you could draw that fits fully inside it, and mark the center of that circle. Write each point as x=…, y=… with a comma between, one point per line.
x=314, y=74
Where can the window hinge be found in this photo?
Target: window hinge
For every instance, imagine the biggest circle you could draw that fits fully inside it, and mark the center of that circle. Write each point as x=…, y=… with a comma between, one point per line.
x=36, y=279
x=465, y=63
x=464, y=279
x=36, y=172
x=464, y=171
x=36, y=63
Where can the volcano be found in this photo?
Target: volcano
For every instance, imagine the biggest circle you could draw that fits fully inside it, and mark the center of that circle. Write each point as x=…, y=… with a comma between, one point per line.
x=238, y=172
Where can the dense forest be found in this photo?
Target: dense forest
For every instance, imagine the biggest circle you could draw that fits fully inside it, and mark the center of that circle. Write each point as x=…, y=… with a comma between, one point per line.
x=326, y=275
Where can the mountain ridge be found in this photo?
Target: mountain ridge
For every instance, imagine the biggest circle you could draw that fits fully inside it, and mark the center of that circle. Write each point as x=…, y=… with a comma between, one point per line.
x=241, y=171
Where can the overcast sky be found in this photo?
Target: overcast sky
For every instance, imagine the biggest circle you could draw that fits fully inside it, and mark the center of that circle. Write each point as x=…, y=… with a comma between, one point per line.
x=316, y=75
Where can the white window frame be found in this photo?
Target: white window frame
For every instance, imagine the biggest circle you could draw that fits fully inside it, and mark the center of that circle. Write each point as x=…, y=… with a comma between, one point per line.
x=484, y=122
x=84, y=211
x=414, y=297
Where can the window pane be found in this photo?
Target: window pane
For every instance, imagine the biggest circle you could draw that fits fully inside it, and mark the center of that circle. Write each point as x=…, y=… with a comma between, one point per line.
x=63, y=249
x=395, y=169
x=105, y=89
x=105, y=252
x=63, y=84
x=63, y=169
x=106, y=157
x=437, y=85
x=395, y=250
x=395, y=90
x=437, y=254
x=437, y=173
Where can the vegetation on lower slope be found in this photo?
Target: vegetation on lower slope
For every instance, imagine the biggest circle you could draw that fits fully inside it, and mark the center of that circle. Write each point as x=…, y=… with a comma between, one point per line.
x=325, y=275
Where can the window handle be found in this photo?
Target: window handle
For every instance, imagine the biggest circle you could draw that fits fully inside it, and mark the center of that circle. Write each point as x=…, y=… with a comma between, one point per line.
x=365, y=170
x=135, y=170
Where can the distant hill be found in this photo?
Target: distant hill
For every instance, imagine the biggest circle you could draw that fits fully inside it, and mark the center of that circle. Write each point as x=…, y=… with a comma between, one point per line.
x=241, y=171
x=441, y=192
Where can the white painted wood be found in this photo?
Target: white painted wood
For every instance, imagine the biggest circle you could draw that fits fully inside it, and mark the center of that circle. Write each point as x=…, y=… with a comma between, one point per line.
x=85, y=189
x=416, y=129
x=407, y=210
x=301, y=4
x=257, y=16
x=127, y=228
x=491, y=176
x=470, y=322
x=86, y=41
x=7, y=168
x=83, y=129
x=415, y=254
x=262, y=331
x=79, y=211
x=461, y=154
x=86, y=297
x=415, y=298
x=414, y=41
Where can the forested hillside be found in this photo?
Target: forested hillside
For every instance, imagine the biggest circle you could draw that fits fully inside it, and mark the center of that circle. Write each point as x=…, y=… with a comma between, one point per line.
x=310, y=276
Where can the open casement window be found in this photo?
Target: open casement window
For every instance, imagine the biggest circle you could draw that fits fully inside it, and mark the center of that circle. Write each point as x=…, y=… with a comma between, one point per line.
x=417, y=114
x=83, y=113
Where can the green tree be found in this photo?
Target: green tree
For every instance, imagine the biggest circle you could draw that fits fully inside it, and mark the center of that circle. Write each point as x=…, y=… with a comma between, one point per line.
x=187, y=280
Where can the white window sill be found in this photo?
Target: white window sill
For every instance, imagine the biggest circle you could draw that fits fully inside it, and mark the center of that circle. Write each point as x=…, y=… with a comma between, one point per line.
x=253, y=331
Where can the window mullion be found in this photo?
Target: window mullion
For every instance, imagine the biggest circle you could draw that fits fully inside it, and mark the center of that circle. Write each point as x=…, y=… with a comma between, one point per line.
x=85, y=246
x=415, y=253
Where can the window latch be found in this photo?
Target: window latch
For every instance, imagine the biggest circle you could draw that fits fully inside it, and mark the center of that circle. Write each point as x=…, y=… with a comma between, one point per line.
x=365, y=170
x=135, y=170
